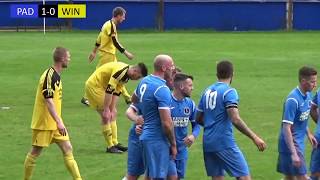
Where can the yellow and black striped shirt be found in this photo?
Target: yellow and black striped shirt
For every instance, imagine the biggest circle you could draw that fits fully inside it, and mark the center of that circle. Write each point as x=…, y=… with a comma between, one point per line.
x=108, y=38
x=110, y=77
x=50, y=86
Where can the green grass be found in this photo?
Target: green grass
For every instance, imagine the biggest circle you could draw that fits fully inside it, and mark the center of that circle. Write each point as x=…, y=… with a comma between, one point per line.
x=266, y=65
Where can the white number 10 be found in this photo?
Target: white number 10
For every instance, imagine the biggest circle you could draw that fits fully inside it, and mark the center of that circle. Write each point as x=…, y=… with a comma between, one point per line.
x=211, y=99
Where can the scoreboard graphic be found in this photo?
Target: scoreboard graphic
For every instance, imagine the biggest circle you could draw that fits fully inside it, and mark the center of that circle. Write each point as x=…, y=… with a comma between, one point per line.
x=51, y=11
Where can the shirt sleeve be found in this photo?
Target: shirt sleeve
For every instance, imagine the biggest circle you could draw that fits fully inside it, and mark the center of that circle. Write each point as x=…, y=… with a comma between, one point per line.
x=48, y=85
x=163, y=96
x=231, y=98
x=290, y=109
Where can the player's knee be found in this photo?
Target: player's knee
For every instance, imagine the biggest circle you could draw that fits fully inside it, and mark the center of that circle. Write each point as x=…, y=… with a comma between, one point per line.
x=36, y=150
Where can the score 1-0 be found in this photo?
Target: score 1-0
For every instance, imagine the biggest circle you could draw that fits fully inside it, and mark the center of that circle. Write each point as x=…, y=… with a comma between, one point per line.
x=48, y=11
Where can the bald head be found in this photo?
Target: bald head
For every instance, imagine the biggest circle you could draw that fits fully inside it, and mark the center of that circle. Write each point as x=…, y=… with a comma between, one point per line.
x=161, y=62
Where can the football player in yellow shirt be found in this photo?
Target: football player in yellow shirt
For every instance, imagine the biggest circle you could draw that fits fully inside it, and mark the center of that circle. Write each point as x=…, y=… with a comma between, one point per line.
x=103, y=88
x=47, y=124
x=107, y=43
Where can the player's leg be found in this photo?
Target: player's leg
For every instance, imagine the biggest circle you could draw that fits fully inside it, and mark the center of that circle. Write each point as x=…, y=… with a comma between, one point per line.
x=181, y=166
x=234, y=163
x=135, y=166
x=315, y=164
x=172, y=171
x=286, y=167
x=213, y=166
x=40, y=139
x=30, y=161
x=156, y=158
x=66, y=148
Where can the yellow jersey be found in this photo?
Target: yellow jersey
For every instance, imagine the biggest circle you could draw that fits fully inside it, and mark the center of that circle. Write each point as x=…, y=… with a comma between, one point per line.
x=50, y=86
x=104, y=39
x=110, y=77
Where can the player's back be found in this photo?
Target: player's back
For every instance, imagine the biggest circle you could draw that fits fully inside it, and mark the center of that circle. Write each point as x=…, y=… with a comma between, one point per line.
x=100, y=78
x=106, y=44
x=153, y=95
x=218, y=131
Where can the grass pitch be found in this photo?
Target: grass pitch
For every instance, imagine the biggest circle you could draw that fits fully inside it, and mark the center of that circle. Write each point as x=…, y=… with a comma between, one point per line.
x=266, y=67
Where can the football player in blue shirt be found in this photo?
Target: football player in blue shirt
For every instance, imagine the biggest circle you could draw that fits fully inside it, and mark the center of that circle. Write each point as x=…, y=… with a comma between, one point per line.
x=294, y=127
x=315, y=156
x=217, y=111
x=158, y=140
x=182, y=112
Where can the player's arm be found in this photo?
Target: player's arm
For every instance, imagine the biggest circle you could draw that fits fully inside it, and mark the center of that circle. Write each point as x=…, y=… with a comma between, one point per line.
x=199, y=112
x=189, y=140
x=167, y=127
x=313, y=141
x=62, y=129
x=118, y=45
x=233, y=113
x=132, y=114
x=163, y=96
x=314, y=112
x=95, y=49
x=289, y=113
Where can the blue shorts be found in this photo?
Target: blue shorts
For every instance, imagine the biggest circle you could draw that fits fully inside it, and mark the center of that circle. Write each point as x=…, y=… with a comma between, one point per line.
x=135, y=160
x=156, y=158
x=172, y=170
x=315, y=161
x=285, y=165
x=230, y=160
x=181, y=165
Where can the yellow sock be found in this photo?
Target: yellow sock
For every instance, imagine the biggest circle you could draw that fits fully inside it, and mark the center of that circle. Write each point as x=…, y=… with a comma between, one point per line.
x=107, y=133
x=29, y=164
x=114, y=130
x=72, y=166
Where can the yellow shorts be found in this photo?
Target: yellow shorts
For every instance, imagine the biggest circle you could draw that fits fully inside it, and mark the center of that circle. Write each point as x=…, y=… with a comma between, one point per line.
x=95, y=97
x=43, y=138
x=106, y=58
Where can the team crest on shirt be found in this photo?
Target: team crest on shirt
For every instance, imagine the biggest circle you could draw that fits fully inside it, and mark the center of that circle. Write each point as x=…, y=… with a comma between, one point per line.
x=186, y=111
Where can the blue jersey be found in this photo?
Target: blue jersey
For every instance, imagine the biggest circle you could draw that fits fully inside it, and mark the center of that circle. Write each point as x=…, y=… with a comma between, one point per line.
x=218, y=131
x=296, y=112
x=132, y=132
x=153, y=94
x=183, y=112
x=316, y=101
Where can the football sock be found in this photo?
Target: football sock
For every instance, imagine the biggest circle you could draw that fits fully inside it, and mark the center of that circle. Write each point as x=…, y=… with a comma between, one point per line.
x=72, y=166
x=29, y=165
x=114, y=130
x=107, y=133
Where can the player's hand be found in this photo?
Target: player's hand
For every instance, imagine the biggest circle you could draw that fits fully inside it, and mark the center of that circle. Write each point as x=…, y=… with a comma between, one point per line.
x=91, y=57
x=173, y=151
x=138, y=129
x=295, y=160
x=261, y=145
x=61, y=128
x=139, y=120
x=128, y=54
x=313, y=140
x=106, y=115
x=189, y=140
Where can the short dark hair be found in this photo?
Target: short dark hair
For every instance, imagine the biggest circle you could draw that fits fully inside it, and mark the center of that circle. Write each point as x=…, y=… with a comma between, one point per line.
x=118, y=11
x=59, y=53
x=181, y=77
x=224, y=69
x=143, y=68
x=306, y=72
